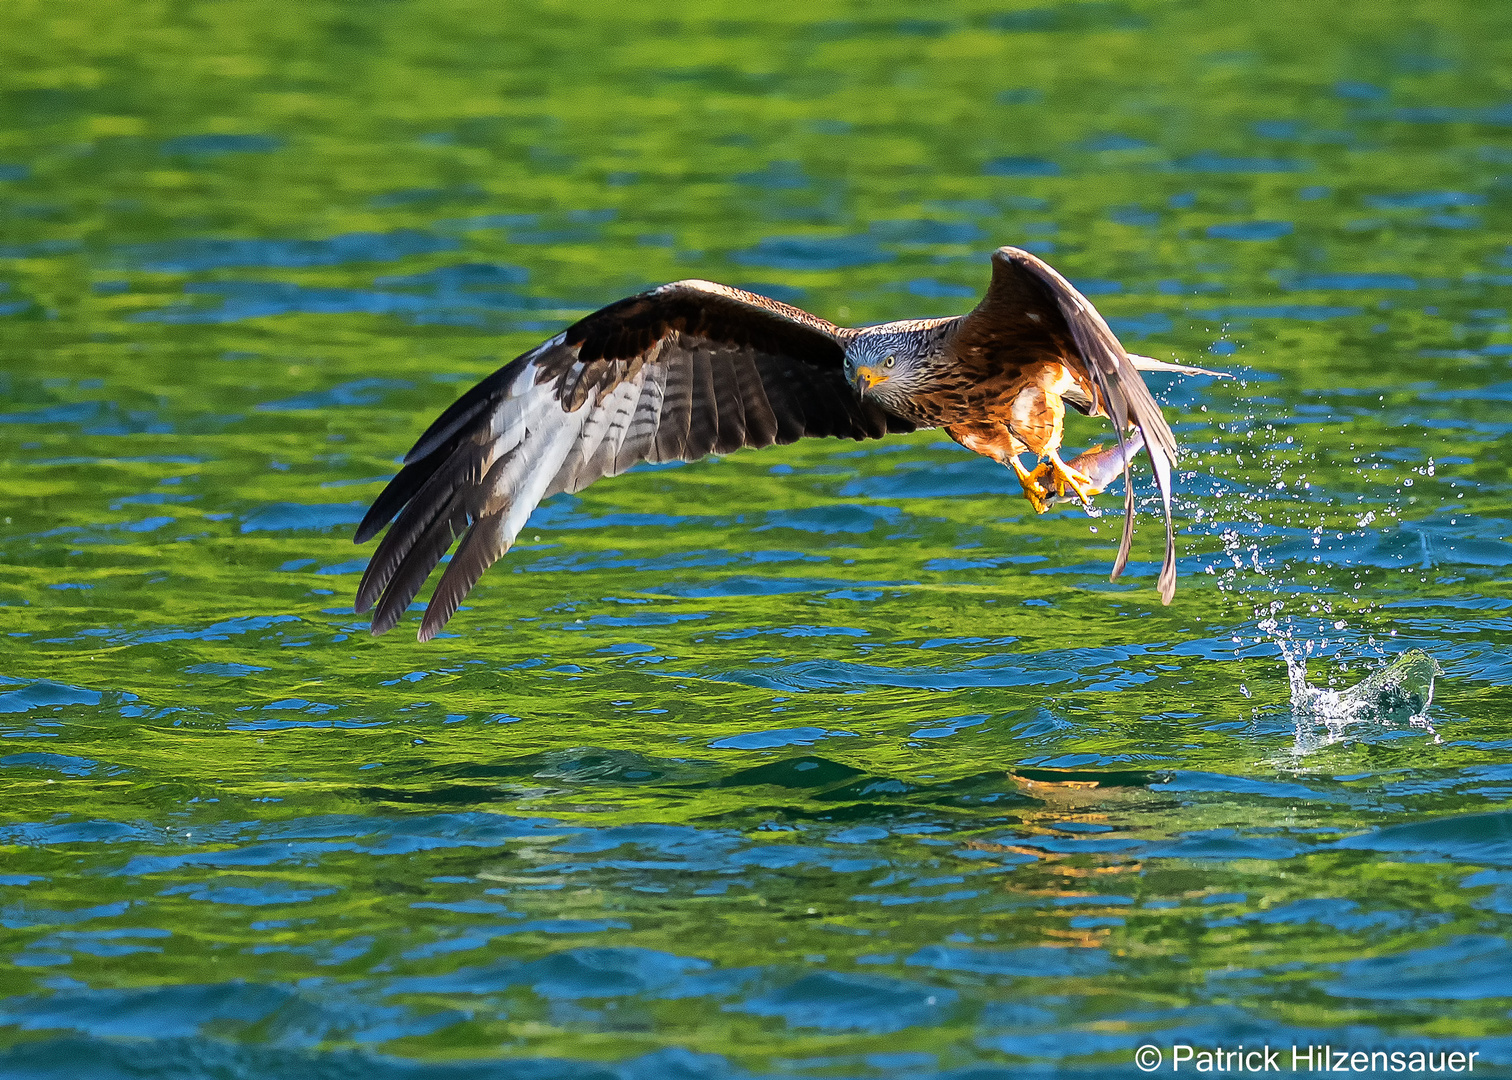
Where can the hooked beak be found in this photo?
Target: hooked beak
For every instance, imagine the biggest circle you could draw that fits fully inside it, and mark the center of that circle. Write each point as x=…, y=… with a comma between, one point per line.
x=866, y=378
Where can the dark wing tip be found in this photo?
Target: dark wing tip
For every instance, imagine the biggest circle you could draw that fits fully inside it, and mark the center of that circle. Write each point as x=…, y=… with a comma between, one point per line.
x=1168, y=572
x=384, y=621
x=482, y=545
x=372, y=524
x=1010, y=254
x=368, y=590
x=1126, y=542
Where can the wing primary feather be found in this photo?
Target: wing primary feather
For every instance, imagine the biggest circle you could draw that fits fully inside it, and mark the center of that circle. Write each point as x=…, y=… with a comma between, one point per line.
x=416, y=566
x=433, y=499
x=458, y=475
x=1167, y=583
x=1160, y=448
x=512, y=490
x=1126, y=542
x=479, y=549
x=409, y=479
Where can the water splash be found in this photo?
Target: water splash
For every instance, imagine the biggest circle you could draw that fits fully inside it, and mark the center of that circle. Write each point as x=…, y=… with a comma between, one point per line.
x=1398, y=693
x=1274, y=529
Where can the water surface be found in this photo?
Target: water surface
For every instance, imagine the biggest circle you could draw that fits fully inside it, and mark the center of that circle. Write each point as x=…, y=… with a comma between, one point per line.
x=823, y=761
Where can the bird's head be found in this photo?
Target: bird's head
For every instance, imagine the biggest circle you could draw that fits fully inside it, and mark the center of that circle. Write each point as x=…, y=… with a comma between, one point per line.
x=882, y=365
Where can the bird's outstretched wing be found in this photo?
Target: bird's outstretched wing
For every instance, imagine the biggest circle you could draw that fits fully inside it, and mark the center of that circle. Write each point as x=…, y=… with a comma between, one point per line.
x=672, y=374
x=1029, y=300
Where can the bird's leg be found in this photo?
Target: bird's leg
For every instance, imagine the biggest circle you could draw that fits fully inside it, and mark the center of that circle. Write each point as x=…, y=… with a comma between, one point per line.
x=1036, y=492
x=999, y=442
x=1039, y=428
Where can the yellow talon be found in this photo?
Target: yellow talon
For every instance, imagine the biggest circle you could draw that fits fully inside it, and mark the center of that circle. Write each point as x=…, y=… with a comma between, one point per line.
x=1057, y=474
x=1037, y=493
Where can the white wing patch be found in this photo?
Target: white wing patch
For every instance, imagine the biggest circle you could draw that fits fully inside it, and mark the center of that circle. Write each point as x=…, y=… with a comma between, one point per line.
x=602, y=434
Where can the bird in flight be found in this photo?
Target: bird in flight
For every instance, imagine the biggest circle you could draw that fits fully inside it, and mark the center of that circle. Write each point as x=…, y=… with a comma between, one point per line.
x=693, y=368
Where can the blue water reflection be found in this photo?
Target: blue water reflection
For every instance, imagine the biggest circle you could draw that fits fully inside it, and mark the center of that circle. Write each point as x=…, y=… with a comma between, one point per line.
x=831, y=760
x=193, y=256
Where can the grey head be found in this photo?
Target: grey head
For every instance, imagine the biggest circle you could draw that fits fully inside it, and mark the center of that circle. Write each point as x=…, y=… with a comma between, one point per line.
x=890, y=363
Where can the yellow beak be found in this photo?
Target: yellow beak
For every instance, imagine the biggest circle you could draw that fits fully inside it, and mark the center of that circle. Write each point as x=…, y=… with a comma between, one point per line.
x=867, y=377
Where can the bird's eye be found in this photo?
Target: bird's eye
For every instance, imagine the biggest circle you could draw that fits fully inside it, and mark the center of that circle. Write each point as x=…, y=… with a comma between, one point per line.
x=890, y=361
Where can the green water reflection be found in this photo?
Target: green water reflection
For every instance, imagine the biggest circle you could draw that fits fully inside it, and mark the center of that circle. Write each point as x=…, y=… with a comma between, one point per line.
x=831, y=760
